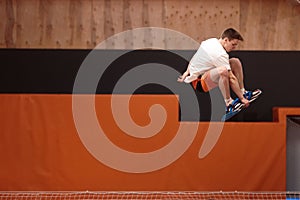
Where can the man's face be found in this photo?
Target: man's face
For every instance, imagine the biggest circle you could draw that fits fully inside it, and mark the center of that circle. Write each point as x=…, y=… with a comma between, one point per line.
x=230, y=45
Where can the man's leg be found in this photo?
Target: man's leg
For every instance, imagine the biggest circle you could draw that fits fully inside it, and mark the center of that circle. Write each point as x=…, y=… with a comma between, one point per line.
x=218, y=77
x=237, y=70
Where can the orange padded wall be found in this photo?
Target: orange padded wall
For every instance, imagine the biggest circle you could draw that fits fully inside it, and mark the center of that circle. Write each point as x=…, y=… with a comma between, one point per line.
x=41, y=148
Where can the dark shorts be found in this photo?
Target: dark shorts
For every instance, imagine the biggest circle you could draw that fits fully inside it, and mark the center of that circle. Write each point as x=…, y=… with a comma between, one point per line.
x=197, y=85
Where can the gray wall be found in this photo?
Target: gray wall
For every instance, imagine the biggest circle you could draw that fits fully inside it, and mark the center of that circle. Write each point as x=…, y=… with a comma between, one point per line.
x=293, y=154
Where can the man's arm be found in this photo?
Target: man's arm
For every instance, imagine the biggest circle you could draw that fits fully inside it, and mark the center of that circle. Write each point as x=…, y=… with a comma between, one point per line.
x=184, y=75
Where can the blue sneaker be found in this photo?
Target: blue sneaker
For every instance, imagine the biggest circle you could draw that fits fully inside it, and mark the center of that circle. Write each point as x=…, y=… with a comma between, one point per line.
x=232, y=109
x=252, y=95
x=235, y=106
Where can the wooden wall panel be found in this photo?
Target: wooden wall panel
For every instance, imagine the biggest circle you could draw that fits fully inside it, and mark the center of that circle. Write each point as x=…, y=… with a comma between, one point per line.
x=7, y=24
x=270, y=25
x=202, y=19
x=82, y=24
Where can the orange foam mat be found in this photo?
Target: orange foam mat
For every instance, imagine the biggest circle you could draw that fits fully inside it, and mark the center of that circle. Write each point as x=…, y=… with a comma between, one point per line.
x=118, y=143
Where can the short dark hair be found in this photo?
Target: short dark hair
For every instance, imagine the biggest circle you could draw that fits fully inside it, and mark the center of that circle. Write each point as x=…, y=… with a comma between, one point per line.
x=231, y=34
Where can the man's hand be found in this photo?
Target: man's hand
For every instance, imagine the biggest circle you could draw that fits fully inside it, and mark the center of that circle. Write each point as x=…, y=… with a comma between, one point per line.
x=183, y=76
x=245, y=102
x=180, y=79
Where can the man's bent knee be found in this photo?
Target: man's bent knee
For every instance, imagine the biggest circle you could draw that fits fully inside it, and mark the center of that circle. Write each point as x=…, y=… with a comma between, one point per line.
x=235, y=62
x=223, y=71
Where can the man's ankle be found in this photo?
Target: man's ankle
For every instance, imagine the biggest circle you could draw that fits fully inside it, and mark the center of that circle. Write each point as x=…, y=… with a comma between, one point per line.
x=228, y=101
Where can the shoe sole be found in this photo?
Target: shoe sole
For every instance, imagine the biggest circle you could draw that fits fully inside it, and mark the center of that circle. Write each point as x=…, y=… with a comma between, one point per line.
x=238, y=107
x=254, y=97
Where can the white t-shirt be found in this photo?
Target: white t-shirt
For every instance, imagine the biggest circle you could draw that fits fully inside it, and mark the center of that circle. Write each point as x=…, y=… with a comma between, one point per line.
x=210, y=54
